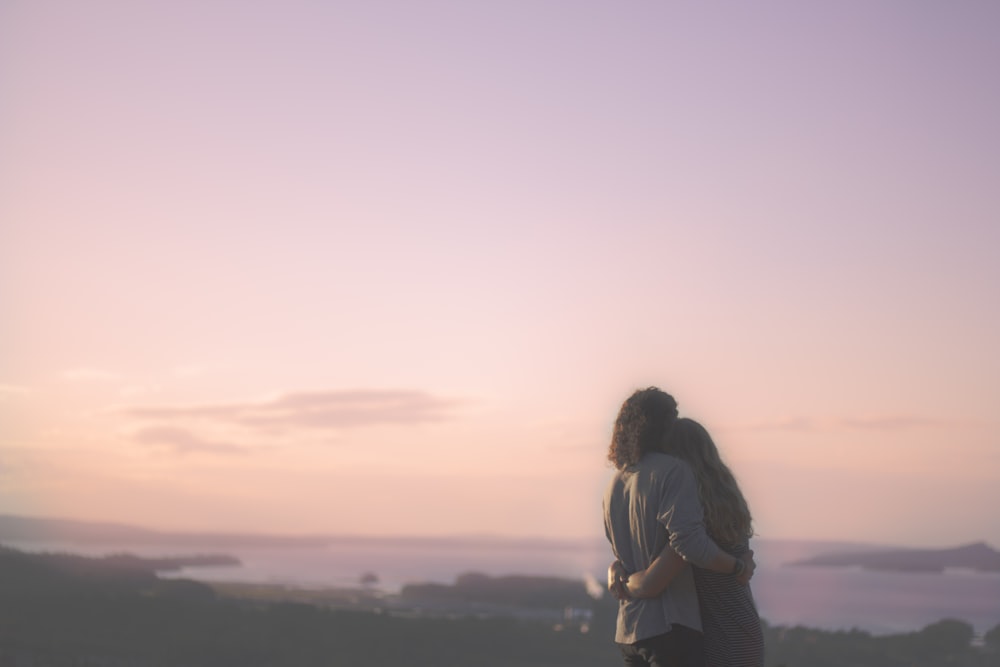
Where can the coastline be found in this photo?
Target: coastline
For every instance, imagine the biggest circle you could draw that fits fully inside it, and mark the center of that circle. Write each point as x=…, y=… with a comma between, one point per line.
x=824, y=598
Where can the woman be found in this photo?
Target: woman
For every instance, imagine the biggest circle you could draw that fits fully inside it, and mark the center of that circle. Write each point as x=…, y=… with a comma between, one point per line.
x=731, y=626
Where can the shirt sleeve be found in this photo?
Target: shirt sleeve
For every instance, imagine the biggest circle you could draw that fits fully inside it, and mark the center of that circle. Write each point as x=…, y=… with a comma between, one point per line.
x=681, y=514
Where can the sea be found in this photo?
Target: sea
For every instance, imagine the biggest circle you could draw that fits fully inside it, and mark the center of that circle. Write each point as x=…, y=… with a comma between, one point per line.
x=829, y=598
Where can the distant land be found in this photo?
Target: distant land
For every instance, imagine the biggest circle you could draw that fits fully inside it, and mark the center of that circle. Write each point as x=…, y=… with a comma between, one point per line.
x=20, y=530
x=30, y=529
x=61, y=609
x=977, y=556
x=27, y=529
x=471, y=593
x=125, y=562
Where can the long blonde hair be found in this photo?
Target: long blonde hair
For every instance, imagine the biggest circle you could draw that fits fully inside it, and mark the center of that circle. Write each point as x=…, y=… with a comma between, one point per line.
x=727, y=515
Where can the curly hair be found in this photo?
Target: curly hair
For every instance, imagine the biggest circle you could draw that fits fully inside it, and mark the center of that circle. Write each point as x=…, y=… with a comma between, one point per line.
x=727, y=515
x=642, y=423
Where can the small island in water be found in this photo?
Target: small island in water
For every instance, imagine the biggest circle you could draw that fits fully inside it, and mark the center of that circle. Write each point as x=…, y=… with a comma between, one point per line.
x=978, y=556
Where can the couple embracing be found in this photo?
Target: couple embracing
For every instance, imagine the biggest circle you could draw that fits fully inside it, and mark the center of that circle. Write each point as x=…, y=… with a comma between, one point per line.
x=672, y=503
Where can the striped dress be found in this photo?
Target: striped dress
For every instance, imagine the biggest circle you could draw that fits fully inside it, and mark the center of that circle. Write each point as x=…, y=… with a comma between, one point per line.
x=731, y=626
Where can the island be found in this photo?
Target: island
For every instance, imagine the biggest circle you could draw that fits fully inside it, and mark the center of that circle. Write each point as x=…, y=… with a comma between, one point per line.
x=978, y=556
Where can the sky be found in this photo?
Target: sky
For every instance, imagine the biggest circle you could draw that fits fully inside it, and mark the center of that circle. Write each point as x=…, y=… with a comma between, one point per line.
x=391, y=267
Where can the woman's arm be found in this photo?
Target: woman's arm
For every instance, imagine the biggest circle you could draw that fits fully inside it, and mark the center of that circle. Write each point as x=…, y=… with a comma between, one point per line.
x=652, y=581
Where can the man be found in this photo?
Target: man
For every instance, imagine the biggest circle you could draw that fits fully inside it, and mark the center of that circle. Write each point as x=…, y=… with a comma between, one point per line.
x=650, y=503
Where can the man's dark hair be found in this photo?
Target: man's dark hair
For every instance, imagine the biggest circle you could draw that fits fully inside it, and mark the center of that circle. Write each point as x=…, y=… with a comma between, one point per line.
x=641, y=426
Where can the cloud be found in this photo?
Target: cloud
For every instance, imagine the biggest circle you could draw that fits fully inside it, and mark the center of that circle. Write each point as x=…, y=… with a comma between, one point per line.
x=24, y=461
x=183, y=441
x=893, y=422
x=133, y=390
x=871, y=423
x=313, y=410
x=10, y=390
x=188, y=371
x=89, y=375
x=799, y=424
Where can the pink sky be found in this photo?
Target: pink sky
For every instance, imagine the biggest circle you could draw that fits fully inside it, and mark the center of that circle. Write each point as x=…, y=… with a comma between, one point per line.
x=391, y=267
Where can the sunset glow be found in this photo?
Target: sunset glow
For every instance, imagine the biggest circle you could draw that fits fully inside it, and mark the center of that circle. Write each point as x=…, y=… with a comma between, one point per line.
x=390, y=268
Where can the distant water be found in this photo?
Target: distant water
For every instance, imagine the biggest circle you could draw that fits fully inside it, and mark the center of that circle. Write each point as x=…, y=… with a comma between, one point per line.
x=820, y=597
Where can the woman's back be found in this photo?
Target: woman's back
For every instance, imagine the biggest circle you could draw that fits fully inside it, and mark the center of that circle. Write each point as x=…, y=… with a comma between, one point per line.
x=729, y=619
x=731, y=626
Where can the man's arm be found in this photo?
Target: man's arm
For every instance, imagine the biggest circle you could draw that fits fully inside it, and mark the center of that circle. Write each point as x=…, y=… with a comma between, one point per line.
x=648, y=583
x=742, y=568
x=652, y=581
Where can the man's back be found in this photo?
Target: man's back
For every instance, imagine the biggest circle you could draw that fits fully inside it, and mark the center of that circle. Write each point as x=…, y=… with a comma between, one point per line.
x=645, y=507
